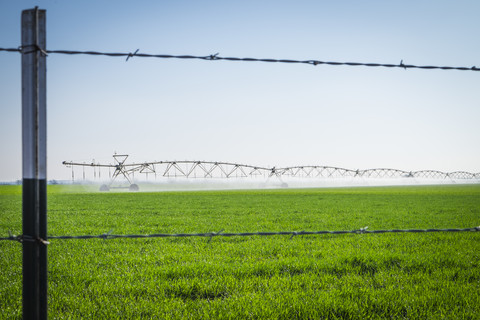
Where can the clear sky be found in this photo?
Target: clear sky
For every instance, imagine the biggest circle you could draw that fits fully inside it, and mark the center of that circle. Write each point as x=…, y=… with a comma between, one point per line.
x=253, y=113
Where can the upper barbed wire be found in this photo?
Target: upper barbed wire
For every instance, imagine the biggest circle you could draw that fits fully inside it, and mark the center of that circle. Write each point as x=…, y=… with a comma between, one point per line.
x=216, y=57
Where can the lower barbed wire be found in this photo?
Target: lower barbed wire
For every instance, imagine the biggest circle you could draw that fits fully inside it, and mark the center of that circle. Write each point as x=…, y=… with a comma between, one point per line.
x=109, y=235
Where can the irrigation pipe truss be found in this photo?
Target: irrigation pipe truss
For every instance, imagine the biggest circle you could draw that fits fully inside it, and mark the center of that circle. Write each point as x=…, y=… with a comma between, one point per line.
x=216, y=57
x=210, y=235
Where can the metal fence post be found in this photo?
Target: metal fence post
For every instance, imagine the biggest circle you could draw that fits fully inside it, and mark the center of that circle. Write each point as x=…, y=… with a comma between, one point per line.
x=34, y=189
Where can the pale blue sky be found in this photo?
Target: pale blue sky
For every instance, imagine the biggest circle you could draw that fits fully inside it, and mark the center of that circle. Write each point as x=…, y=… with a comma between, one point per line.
x=252, y=113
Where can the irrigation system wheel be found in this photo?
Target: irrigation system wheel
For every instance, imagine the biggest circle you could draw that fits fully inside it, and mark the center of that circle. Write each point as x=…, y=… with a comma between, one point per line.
x=133, y=187
x=104, y=187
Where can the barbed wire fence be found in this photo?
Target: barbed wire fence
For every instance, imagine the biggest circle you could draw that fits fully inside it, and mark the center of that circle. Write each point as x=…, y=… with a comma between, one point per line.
x=216, y=57
x=210, y=235
x=34, y=222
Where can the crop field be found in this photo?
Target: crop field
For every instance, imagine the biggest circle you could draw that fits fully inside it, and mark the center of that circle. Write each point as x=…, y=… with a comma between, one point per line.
x=346, y=276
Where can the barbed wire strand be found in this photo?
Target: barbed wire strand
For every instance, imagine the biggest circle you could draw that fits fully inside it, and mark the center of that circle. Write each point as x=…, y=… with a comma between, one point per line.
x=216, y=57
x=210, y=235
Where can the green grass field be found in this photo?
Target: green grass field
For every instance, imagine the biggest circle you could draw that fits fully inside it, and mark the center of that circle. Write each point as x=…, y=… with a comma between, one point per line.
x=353, y=276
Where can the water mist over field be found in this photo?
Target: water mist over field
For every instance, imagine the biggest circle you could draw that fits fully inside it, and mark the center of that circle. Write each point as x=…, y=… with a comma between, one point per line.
x=182, y=184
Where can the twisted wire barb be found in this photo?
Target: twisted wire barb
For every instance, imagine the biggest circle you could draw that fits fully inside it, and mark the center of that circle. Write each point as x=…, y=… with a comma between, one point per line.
x=216, y=57
x=210, y=235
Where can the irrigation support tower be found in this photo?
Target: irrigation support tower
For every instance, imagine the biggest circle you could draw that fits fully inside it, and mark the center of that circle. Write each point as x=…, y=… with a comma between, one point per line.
x=34, y=164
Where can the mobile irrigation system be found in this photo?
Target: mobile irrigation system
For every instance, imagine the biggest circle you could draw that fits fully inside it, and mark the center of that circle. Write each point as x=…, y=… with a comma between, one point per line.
x=224, y=170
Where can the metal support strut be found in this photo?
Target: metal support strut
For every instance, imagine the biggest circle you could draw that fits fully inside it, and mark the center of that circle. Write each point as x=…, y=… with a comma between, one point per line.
x=34, y=149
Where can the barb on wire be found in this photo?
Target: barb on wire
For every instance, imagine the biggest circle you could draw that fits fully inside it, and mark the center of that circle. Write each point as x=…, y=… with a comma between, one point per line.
x=215, y=57
x=210, y=235
x=213, y=234
x=106, y=235
x=212, y=56
x=296, y=234
x=12, y=237
x=363, y=230
x=130, y=55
